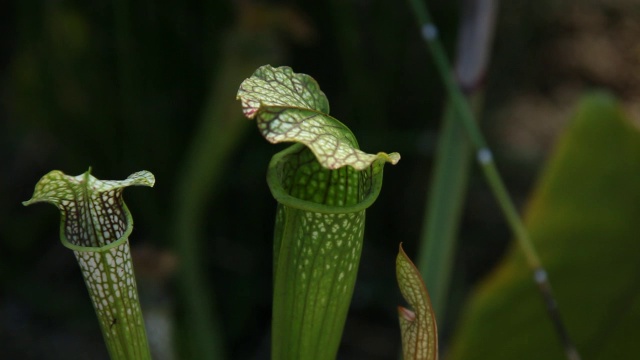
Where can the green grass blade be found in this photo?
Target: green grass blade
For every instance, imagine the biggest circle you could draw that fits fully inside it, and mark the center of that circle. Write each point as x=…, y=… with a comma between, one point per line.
x=453, y=155
x=489, y=169
x=445, y=202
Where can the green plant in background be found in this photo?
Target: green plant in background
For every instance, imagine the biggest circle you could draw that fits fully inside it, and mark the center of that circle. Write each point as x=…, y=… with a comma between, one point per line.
x=583, y=217
x=323, y=184
x=484, y=156
x=202, y=170
x=96, y=224
x=418, y=328
x=452, y=162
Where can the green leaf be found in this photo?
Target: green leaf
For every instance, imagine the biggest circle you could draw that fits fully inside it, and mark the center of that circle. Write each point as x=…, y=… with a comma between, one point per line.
x=290, y=107
x=583, y=218
x=418, y=327
x=95, y=224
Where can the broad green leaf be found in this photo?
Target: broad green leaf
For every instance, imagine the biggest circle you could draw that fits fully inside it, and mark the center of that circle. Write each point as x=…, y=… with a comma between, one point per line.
x=418, y=327
x=95, y=224
x=290, y=107
x=583, y=217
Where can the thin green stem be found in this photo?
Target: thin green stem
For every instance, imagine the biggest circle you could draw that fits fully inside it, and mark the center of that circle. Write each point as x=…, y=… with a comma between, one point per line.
x=465, y=114
x=485, y=158
x=453, y=155
x=487, y=164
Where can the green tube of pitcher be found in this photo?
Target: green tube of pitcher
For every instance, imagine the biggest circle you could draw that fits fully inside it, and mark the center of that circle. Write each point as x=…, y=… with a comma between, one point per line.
x=317, y=244
x=95, y=225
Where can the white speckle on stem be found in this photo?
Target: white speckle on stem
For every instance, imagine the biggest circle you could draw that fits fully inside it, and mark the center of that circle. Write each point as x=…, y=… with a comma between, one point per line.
x=540, y=276
x=484, y=156
x=429, y=31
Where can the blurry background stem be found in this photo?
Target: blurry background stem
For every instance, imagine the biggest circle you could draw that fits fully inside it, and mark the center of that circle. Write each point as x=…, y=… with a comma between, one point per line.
x=487, y=164
x=446, y=194
x=221, y=127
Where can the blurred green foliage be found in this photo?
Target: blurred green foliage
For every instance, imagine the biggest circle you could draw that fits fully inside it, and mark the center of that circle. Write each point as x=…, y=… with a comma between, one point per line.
x=583, y=217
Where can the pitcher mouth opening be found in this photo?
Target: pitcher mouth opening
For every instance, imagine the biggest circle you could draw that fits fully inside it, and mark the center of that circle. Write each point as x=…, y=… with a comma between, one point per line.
x=83, y=248
x=297, y=163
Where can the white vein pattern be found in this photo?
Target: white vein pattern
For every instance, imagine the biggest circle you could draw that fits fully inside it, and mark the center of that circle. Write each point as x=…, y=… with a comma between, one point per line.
x=96, y=225
x=317, y=253
x=290, y=107
x=111, y=283
x=323, y=188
